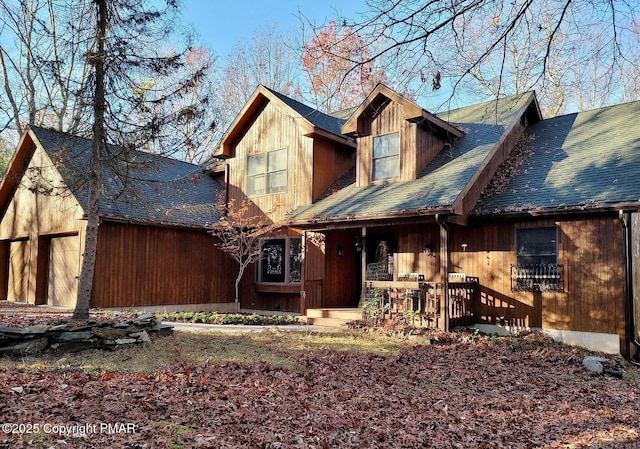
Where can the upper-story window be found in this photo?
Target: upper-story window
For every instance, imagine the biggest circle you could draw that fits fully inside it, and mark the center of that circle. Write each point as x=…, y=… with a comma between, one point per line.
x=267, y=173
x=386, y=157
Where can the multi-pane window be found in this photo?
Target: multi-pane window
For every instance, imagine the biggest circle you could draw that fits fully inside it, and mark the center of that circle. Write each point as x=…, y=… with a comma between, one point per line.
x=281, y=261
x=537, y=265
x=386, y=157
x=267, y=173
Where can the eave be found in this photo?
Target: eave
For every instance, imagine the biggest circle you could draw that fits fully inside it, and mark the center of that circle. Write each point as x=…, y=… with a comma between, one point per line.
x=412, y=113
x=381, y=219
x=326, y=135
x=258, y=101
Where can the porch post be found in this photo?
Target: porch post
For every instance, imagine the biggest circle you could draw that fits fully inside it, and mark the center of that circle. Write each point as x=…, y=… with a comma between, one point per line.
x=444, y=266
x=363, y=268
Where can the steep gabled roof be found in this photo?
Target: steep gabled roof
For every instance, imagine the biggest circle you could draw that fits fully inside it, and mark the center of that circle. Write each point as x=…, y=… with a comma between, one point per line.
x=412, y=112
x=151, y=189
x=312, y=121
x=440, y=184
x=587, y=160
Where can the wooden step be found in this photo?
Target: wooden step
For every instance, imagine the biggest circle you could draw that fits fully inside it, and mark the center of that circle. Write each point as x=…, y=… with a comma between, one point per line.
x=332, y=317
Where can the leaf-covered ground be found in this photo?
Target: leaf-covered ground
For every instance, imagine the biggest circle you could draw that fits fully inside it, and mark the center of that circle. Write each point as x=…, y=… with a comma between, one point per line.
x=478, y=392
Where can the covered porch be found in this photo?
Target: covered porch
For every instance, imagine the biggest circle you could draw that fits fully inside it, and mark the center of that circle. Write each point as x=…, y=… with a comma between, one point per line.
x=402, y=269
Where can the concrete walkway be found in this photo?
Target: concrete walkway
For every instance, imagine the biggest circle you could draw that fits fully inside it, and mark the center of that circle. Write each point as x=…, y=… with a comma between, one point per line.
x=242, y=328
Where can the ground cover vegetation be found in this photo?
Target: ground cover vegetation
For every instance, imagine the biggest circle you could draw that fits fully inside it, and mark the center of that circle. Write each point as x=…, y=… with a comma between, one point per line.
x=251, y=319
x=370, y=387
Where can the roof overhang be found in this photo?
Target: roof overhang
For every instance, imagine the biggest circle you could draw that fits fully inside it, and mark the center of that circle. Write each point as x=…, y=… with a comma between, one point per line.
x=353, y=221
x=258, y=101
x=411, y=112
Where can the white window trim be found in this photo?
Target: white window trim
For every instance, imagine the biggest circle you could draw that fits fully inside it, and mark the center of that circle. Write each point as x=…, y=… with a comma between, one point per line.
x=266, y=173
x=373, y=159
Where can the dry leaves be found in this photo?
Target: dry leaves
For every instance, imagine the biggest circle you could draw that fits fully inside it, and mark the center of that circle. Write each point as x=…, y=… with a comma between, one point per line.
x=476, y=393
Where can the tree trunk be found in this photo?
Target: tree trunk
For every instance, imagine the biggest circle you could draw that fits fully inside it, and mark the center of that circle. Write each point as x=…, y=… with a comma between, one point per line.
x=85, y=286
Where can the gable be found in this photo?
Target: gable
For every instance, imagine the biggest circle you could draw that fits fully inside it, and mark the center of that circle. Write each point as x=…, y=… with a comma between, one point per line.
x=40, y=202
x=396, y=138
x=149, y=189
x=311, y=122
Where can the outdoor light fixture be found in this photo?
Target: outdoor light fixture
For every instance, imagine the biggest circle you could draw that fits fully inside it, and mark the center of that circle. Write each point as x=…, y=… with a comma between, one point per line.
x=340, y=251
x=359, y=241
x=428, y=250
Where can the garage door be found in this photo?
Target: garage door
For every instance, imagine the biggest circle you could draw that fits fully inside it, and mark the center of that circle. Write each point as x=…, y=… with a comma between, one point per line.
x=18, y=271
x=63, y=271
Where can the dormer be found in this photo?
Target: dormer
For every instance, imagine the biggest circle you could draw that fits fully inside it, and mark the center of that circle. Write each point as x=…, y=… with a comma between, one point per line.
x=396, y=138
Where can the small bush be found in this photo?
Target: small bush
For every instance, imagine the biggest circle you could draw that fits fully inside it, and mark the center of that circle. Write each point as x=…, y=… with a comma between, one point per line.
x=229, y=318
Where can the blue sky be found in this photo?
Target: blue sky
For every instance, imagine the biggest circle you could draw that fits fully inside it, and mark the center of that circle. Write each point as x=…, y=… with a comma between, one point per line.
x=222, y=23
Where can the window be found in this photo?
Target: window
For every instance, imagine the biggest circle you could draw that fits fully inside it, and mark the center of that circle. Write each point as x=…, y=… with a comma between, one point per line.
x=281, y=261
x=537, y=265
x=386, y=157
x=267, y=173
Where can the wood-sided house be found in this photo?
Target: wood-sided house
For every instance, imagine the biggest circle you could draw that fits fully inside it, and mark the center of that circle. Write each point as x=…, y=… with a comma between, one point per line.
x=153, y=248
x=484, y=215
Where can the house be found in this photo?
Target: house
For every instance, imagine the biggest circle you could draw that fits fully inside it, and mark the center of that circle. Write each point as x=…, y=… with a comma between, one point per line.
x=153, y=248
x=486, y=215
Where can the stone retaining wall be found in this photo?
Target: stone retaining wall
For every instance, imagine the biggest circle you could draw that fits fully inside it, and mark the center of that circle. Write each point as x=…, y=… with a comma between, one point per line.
x=73, y=336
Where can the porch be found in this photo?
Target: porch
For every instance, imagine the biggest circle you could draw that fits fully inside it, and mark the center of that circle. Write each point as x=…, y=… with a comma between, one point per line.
x=421, y=302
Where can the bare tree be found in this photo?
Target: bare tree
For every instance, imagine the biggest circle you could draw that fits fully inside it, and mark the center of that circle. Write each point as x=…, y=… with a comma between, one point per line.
x=42, y=69
x=240, y=234
x=267, y=58
x=327, y=61
x=505, y=47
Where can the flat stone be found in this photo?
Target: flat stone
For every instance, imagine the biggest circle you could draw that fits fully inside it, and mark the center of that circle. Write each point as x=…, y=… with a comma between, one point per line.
x=74, y=336
x=28, y=347
x=75, y=346
x=109, y=333
x=126, y=341
x=140, y=336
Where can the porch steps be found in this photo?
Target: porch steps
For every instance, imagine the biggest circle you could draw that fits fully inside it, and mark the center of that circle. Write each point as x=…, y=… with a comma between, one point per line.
x=332, y=317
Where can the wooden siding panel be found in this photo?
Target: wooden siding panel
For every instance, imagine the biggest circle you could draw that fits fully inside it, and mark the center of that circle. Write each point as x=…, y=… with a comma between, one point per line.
x=143, y=265
x=635, y=273
x=330, y=162
x=427, y=147
x=274, y=129
x=29, y=214
x=591, y=252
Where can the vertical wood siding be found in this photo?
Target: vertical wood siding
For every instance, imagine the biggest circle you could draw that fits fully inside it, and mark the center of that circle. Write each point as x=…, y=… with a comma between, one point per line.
x=417, y=146
x=329, y=162
x=274, y=129
x=144, y=265
x=635, y=274
x=30, y=215
x=590, y=250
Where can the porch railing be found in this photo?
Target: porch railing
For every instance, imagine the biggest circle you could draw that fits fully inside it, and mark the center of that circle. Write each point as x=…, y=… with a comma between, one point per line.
x=421, y=302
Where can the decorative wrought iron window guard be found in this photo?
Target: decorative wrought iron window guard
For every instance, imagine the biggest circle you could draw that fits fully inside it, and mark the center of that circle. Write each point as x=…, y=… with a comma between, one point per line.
x=537, y=277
